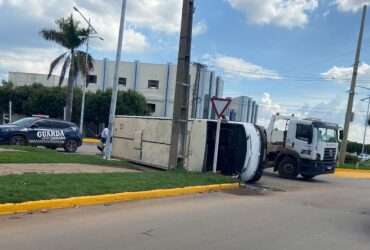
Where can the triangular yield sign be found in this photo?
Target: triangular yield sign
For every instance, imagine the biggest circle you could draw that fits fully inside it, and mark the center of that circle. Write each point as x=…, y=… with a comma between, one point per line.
x=220, y=105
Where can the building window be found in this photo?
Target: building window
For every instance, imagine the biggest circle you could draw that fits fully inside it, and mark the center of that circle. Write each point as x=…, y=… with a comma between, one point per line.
x=92, y=79
x=151, y=108
x=153, y=84
x=122, y=81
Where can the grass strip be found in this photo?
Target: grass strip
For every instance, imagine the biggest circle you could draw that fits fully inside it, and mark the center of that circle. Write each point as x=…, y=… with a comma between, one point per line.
x=31, y=187
x=29, y=155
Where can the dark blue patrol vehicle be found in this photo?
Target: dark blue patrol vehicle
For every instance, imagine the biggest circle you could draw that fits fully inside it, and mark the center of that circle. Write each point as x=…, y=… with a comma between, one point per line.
x=37, y=131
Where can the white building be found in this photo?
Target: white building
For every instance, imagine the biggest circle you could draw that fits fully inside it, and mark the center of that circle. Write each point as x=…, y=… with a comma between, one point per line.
x=243, y=109
x=155, y=81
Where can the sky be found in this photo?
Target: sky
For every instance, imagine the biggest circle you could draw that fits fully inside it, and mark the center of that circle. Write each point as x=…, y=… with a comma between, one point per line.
x=291, y=56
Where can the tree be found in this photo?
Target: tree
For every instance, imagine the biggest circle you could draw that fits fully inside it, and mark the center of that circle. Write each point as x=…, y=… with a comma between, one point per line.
x=70, y=36
x=5, y=96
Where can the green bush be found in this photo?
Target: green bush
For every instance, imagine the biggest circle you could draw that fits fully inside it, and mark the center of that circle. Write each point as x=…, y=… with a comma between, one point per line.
x=351, y=159
x=38, y=99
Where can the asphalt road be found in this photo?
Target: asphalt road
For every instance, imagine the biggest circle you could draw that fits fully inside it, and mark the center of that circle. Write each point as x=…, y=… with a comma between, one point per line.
x=327, y=214
x=90, y=149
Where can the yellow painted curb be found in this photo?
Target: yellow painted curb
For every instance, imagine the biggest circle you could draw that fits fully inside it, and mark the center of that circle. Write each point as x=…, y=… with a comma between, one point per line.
x=352, y=173
x=32, y=206
x=90, y=141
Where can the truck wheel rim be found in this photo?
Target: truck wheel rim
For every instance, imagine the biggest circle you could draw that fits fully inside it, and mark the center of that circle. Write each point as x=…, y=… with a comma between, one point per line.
x=289, y=168
x=71, y=145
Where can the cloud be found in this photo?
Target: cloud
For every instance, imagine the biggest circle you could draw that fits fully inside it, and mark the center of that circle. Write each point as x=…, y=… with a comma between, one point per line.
x=269, y=105
x=351, y=5
x=27, y=60
x=142, y=15
x=234, y=67
x=326, y=13
x=158, y=15
x=28, y=17
x=283, y=13
x=344, y=74
x=268, y=108
x=200, y=28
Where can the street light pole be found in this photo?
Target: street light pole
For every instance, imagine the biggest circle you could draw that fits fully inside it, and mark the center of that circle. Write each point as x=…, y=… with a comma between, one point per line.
x=90, y=30
x=366, y=124
x=113, y=105
x=84, y=84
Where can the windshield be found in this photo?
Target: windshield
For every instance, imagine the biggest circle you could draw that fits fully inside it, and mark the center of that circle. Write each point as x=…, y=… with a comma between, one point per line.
x=327, y=135
x=25, y=122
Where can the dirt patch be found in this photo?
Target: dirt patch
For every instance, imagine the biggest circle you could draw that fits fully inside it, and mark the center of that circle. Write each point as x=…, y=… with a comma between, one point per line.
x=9, y=150
x=10, y=169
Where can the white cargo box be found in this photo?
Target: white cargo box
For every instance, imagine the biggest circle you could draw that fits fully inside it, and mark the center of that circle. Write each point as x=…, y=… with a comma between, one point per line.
x=146, y=140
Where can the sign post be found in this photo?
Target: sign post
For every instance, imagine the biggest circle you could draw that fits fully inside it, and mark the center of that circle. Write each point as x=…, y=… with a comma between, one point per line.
x=220, y=106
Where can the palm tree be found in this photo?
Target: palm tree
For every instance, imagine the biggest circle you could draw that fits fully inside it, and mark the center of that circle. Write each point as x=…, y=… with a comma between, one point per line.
x=72, y=37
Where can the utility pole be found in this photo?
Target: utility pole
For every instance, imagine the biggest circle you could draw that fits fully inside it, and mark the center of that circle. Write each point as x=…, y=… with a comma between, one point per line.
x=349, y=114
x=113, y=105
x=182, y=90
x=366, y=123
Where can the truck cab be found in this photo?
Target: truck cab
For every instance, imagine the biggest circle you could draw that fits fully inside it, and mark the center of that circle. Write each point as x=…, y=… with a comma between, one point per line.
x=306, y=147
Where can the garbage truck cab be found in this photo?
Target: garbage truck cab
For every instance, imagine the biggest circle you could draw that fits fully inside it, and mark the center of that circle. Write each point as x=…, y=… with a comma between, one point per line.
x=306, y=147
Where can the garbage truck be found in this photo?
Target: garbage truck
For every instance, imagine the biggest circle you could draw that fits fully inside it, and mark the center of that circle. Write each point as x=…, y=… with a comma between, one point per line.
x=306, y=147
x=147, y=141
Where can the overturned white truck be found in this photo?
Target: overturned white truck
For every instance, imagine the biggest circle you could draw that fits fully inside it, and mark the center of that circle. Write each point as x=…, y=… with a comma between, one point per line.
x=146, y=140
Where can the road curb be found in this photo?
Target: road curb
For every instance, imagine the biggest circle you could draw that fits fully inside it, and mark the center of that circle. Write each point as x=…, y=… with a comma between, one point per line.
x=353, y=170
x=34, y=206
x=352, y=173
x=90, y=141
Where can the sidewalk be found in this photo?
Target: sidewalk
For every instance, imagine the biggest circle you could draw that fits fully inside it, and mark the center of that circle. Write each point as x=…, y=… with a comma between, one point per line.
x=9, y=169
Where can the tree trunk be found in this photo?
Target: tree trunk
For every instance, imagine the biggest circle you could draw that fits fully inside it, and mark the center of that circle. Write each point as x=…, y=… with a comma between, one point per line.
x=70, y=89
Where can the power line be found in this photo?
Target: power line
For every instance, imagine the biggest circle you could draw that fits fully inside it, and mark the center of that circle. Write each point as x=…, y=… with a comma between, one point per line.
x=290, y=77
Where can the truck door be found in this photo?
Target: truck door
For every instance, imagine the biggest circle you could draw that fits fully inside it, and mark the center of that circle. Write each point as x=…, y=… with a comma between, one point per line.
x=301, y=139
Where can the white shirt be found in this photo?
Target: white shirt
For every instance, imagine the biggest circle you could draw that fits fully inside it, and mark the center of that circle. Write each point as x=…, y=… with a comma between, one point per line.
x=105, y=133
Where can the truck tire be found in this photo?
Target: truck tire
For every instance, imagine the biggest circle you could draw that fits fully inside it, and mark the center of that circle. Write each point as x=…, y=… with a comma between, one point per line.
x=18, y=140
x=70, y=146
x=288, y=168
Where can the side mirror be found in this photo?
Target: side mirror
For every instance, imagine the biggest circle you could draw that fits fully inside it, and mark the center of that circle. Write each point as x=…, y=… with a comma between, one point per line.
x=341, y=135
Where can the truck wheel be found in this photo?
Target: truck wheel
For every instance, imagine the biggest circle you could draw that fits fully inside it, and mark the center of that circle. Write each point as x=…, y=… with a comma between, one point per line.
x=18, y=140
x=308, y=177
x=288, y=168
x=71, y=146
